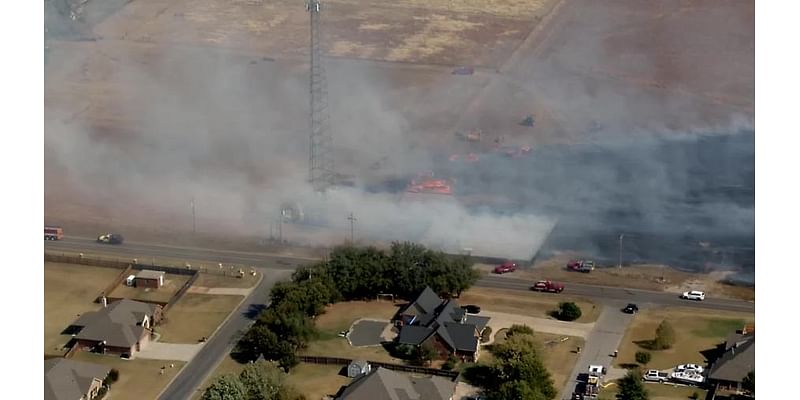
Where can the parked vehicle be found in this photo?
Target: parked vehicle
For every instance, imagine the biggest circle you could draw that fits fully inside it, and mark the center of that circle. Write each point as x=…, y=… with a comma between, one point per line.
x=631, y=309
x=53, y=233
x=507, y=266
x=655, y=375
x=471, y=309
x=464, y=70
x=690, y=367
x=694, y=295
x=547, y=286
x=585, y=266
x=110, y=238
x=691, y=377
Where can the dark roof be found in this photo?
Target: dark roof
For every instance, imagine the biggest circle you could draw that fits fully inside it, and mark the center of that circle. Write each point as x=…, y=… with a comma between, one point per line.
x=117, y=324
x=149, y=274
x=425, y=303
x=736, y=339
x=384, y=384
x=69, y=380
x=459, y=336
x=736, y=363
x=413, y=334
x=479, y=322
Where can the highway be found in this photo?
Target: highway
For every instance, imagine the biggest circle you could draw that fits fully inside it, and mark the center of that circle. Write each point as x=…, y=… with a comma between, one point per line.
x=277, y=267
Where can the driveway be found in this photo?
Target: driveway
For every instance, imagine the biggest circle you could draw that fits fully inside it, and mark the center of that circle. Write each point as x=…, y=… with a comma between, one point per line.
x=367, y=333
x=500, y=321
x=169, y=351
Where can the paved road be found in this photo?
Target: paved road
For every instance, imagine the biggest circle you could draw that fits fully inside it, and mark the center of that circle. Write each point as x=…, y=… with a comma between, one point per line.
x=594, y=292
x=194, y=373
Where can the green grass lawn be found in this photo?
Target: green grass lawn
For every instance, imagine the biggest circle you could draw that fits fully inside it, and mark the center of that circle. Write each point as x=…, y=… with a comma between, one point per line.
x=658, y=391
x=522, y=303
x=70, y=290
x=696, y=332
x=195, y=316
x=138, y=379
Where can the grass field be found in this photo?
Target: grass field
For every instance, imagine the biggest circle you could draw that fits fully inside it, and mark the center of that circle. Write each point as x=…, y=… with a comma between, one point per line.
x=340, y=316
x=696, y=331
x=658, y=392
x=195, y=316
x=69, y=290
x=315, y=381
x=138, y=379
x=220, y=281
x=171, y=285
x=530, y=304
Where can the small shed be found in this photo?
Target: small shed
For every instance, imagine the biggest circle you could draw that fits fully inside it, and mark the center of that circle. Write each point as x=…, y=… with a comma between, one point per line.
x=358, y=368
x=149, y=279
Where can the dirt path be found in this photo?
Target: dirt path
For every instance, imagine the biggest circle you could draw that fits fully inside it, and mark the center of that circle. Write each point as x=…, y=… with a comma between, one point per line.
x=504, y=320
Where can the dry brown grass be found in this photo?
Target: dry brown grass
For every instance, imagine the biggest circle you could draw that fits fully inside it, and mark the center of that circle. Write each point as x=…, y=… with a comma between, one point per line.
x=696, y=331
x=221, y=281
x=138, y=379
x=195, y=316
x=171, y=285
x=70, y=290
x=658, y=392
x=315, y=381
x=524, y=303
x=340, y=316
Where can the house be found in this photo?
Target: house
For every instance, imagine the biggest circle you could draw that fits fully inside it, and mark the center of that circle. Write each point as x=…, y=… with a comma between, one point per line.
x=357, y=368
x=72, y=380
x=729, y=370
x=442, y=323
x=123, y=327
x=149, y=279
x=384, y=384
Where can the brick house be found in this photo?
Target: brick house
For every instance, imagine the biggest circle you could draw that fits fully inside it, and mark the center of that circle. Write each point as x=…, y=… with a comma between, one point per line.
x=441, y=323
x=149, y=279
x=72, y=380
x=123, y=327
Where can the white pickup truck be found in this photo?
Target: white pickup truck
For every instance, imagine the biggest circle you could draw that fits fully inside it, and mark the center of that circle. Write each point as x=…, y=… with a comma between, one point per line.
x=655, y=375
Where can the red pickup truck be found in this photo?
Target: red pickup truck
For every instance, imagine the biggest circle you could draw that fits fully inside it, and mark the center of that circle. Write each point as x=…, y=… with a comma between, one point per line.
x=507, y=266
x=547, y=286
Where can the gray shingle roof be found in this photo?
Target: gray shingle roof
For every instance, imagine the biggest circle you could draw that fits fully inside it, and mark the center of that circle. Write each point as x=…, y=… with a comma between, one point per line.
x=69, y=380
x=117, y=324
x=736, y=363
x=413, y=334
x=384, y=384
x=460, y=336
x=479, y=322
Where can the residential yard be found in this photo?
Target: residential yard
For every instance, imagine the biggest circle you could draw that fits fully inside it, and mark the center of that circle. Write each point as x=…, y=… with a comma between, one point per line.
x=315, y=381
x=220, y=281
x=227, y=366
x=69, y=290
x=138, y=379
x=658, y=392
x=171, y=285
x=696, y=331
x=559, y=357
x=195, y=316
x=340, y=316
x=530, y=304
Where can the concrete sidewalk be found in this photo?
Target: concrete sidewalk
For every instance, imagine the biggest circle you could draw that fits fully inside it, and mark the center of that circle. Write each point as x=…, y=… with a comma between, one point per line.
x=169, y=351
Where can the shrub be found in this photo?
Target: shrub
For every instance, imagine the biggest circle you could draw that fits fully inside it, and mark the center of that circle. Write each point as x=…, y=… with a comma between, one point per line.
x=665, y=336
x=113, y=375
x=568, y=311
x=643, y=357
x=450, y=363
x=519, y=330
x=486, y=334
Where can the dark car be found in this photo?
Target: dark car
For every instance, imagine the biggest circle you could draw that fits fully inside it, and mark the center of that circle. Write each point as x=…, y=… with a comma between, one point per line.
x=110, y=238
x=631, y=309
x=472, y=309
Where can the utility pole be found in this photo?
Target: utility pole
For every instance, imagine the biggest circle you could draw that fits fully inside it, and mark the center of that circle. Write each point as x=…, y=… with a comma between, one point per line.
x=352, y=220
x=321, y=155
x=194, y=221
x=620, y=249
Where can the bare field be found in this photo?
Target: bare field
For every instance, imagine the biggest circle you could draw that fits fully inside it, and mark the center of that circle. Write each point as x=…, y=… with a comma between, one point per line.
x=529, y=304
x=171, y=285
x=196, y=316
x=138, y=379
x=70, y=290
x=696, y=331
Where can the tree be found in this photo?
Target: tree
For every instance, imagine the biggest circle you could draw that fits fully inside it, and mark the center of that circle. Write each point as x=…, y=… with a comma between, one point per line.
x=665, y=336
x=263, y=381
x=450, y=363
x=568, y=311
x=259, y=340
x=631, y=387
x=425, y=353
x=749, y=382
x=519, y=330
x=642, y=357
x=113, y=375
x=518, y=359
x=226, y=387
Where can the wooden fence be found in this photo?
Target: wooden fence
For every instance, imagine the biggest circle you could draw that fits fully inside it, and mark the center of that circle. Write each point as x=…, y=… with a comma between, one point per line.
x=452, y=375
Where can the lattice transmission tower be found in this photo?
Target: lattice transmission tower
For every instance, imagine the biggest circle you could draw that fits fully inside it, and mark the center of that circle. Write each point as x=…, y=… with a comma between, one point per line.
x=321, y=156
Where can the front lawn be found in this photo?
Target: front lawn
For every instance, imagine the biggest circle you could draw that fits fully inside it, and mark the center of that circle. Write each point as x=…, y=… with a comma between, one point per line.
x=138, y=378
x=195, y=316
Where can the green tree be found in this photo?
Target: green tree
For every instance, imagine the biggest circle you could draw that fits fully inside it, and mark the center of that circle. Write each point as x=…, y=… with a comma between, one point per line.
x=226, y=387
x=631, y=387
x=568, y=311
x=749, y=382
x=263, y=381
x=665, y=336
x=519, y=330
x=450, y=363
x=258, y=341
x=425, y=353
x=518, y=359
x=518, y=390
x=643, y=357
